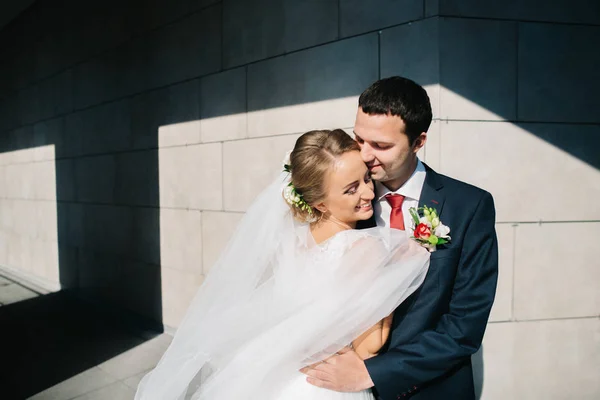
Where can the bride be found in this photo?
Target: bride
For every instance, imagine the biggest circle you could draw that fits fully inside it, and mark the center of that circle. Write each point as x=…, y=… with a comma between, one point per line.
x=295, y=284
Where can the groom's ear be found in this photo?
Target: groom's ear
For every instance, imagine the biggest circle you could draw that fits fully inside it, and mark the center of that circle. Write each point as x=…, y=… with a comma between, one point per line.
x=419, y=142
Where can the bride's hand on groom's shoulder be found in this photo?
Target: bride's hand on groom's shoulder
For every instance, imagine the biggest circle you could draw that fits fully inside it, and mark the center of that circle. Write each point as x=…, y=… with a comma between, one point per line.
x=342, y=372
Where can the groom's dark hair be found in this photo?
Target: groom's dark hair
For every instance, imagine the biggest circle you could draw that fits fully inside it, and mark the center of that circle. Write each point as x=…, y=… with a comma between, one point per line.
x=402, y=97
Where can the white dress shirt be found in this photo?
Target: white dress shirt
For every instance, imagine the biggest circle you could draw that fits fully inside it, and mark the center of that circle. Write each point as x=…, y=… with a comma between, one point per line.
x=411, y=190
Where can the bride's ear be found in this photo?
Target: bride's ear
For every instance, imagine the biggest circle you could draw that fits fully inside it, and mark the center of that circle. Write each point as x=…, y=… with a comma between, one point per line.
x=321, y=207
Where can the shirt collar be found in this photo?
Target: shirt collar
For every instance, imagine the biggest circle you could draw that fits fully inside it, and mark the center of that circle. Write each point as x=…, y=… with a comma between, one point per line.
x=412, y=187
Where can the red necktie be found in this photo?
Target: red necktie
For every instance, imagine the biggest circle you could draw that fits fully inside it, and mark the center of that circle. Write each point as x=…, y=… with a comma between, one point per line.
x=396, y=216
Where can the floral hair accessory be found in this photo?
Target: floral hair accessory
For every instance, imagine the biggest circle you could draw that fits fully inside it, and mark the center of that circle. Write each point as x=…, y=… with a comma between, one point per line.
x=428, y=230
x=292, y=196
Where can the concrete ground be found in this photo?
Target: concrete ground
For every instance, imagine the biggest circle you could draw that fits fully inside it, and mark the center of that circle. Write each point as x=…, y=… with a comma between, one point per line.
x=56, y=347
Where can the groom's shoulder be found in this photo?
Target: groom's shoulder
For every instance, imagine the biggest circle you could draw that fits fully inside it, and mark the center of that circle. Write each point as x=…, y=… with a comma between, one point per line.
x=462, y=190
x=456, y=184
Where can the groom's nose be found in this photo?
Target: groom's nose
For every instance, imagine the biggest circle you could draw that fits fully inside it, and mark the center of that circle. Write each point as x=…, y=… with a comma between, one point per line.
x=365, y=153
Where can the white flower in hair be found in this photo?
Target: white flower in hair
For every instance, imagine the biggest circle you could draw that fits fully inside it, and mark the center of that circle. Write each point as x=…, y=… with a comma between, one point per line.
x=288, y=194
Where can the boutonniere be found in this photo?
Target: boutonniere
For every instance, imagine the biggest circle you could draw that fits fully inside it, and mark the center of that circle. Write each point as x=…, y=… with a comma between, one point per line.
x=428, y=230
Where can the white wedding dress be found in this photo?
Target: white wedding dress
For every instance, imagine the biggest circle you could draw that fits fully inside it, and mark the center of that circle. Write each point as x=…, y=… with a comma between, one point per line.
x=276, y=302
x=293, y=385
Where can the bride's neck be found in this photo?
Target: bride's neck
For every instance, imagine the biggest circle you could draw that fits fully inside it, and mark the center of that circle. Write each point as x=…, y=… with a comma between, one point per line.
x=327, y=227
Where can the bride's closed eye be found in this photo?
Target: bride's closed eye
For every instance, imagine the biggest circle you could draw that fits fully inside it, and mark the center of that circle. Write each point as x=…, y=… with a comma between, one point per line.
x=352, y=190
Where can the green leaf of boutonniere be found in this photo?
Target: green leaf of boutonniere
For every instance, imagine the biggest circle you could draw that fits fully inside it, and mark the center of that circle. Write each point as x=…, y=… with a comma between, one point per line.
x=414, y=215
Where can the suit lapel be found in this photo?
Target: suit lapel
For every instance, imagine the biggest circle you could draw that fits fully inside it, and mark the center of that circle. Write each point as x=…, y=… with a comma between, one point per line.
x=432, y=194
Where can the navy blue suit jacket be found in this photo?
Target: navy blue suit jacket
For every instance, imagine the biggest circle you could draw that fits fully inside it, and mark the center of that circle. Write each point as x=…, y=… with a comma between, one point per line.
x=437, y=329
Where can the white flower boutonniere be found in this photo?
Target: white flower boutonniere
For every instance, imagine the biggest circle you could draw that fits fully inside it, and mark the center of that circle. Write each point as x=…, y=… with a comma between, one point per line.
x=428, y=230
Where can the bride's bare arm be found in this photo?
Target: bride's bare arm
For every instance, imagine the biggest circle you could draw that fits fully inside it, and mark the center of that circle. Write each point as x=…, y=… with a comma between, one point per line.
x=369, y=343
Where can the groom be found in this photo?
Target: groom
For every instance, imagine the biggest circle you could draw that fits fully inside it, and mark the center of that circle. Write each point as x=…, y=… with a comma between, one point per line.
x=437, y=329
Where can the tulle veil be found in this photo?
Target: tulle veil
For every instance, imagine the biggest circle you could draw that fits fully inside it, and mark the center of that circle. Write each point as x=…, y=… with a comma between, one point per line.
x=275, y=302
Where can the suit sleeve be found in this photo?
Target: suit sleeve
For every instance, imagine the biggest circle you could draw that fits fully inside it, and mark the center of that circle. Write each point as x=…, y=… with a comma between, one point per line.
x=459, y=332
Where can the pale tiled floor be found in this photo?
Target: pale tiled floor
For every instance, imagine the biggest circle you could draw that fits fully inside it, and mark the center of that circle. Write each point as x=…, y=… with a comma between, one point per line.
x=11, y=292
x=123, y=358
